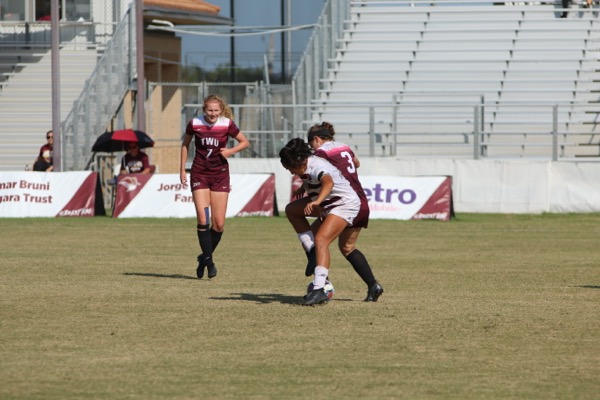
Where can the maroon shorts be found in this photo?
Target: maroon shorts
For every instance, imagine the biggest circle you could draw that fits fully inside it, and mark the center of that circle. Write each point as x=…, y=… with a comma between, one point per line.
x=216, y=183
x=362, y=218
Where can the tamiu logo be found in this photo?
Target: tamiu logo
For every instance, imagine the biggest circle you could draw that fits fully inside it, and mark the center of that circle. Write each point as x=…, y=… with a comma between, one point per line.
x=130, y=183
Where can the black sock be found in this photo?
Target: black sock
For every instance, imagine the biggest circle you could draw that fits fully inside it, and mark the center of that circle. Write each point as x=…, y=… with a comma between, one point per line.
x=205, y=240
x=312, y=261
x=215, y=237
x=361, y=266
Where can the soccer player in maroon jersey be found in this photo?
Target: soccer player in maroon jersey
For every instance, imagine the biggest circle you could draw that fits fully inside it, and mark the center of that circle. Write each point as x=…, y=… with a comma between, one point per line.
x=209, y=177
x=340, y=155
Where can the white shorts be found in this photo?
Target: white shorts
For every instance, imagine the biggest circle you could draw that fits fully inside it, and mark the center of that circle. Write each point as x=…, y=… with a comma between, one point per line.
x=345, y=212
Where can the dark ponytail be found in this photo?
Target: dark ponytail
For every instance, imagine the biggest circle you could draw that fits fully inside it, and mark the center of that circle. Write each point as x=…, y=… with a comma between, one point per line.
x=294, y=153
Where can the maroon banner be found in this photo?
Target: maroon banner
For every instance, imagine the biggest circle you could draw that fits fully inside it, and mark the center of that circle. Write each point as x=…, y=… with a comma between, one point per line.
x=82, y=204
x=263, y=202
x=128, y=187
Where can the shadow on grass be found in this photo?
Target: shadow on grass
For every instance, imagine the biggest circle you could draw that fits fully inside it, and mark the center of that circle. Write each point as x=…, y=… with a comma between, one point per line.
x=174, y=276
x=588, y=286
x=263, y=298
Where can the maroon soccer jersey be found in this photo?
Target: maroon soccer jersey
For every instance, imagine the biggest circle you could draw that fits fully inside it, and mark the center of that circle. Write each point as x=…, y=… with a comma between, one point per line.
x=209, y=140
x=210, y=170
x=342, y=157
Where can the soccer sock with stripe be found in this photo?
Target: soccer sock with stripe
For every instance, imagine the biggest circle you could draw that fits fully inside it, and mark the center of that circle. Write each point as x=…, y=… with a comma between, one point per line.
x=205, y=240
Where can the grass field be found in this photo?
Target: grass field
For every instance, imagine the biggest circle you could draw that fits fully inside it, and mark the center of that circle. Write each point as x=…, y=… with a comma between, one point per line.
x=482, y=307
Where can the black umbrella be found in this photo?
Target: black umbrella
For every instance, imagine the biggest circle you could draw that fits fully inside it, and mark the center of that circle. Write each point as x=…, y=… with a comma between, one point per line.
x=113, y=141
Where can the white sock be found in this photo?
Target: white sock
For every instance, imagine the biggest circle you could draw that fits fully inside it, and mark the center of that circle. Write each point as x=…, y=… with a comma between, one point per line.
x=307, y=239
x=321, y=274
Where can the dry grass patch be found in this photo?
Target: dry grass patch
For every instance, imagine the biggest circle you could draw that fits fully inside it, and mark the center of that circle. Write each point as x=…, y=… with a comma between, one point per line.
x=485, y=306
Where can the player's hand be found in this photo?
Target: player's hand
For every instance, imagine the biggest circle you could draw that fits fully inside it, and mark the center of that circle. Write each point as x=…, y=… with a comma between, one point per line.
x=313, y=205
x=321, y=213
x=183, y=178
x=226, y=152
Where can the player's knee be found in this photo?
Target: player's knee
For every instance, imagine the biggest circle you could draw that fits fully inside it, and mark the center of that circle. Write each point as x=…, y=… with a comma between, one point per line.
x=218, y=226
x=322, y=241
x=288, y=211
x=346, y=248
x=288, y=208
x=291, y=210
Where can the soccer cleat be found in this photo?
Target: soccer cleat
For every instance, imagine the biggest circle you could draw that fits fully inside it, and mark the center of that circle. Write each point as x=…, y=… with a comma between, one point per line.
x=311, y=286
x=201, y=265
x=316, y=297
x=212, y=270
x=374, y=292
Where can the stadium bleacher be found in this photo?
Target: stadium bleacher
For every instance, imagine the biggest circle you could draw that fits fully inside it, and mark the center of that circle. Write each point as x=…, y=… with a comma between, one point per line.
x=516, y=61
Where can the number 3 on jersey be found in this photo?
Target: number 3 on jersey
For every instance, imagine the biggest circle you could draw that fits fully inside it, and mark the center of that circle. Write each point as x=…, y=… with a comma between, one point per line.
x=348, y=157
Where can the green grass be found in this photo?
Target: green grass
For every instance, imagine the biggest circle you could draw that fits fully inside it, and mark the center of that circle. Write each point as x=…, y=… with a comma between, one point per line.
x=482, y=307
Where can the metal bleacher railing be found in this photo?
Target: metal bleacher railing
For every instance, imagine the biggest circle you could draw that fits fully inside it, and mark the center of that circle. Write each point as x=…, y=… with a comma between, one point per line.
x=102, y=97
x=465, y=129
x=37, y=35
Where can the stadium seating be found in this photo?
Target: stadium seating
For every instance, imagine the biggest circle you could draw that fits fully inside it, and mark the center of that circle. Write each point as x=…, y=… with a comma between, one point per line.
x=437, y=63
x=26, y=98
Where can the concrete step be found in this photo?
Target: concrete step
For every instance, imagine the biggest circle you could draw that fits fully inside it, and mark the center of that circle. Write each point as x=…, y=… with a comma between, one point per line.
x=24, y=136
x=26, y=91
x=33, y=103
x=19, y=148
x=24, y=116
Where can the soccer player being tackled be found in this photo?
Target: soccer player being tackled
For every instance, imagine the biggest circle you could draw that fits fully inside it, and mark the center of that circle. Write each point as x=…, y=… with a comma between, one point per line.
x=340, y=207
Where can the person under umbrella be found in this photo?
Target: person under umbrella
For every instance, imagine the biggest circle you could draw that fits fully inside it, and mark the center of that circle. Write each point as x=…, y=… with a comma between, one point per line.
x=118, y=140
x=135, y=161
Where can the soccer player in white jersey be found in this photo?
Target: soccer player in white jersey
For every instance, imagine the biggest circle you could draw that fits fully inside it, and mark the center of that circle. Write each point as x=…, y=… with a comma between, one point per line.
x=342, y=215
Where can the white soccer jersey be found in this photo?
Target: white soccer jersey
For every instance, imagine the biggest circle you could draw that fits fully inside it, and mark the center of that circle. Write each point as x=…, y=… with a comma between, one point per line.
x=343, y=200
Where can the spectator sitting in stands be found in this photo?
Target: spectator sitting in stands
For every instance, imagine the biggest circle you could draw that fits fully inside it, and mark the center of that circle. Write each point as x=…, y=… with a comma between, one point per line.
x=49, y=146
x=135, y=161
x=43, y=164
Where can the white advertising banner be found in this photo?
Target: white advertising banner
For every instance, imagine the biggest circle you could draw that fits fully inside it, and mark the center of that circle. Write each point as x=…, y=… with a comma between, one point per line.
x=163, y=196
x=478, y=186
x=404, y=198
x=47, y=194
